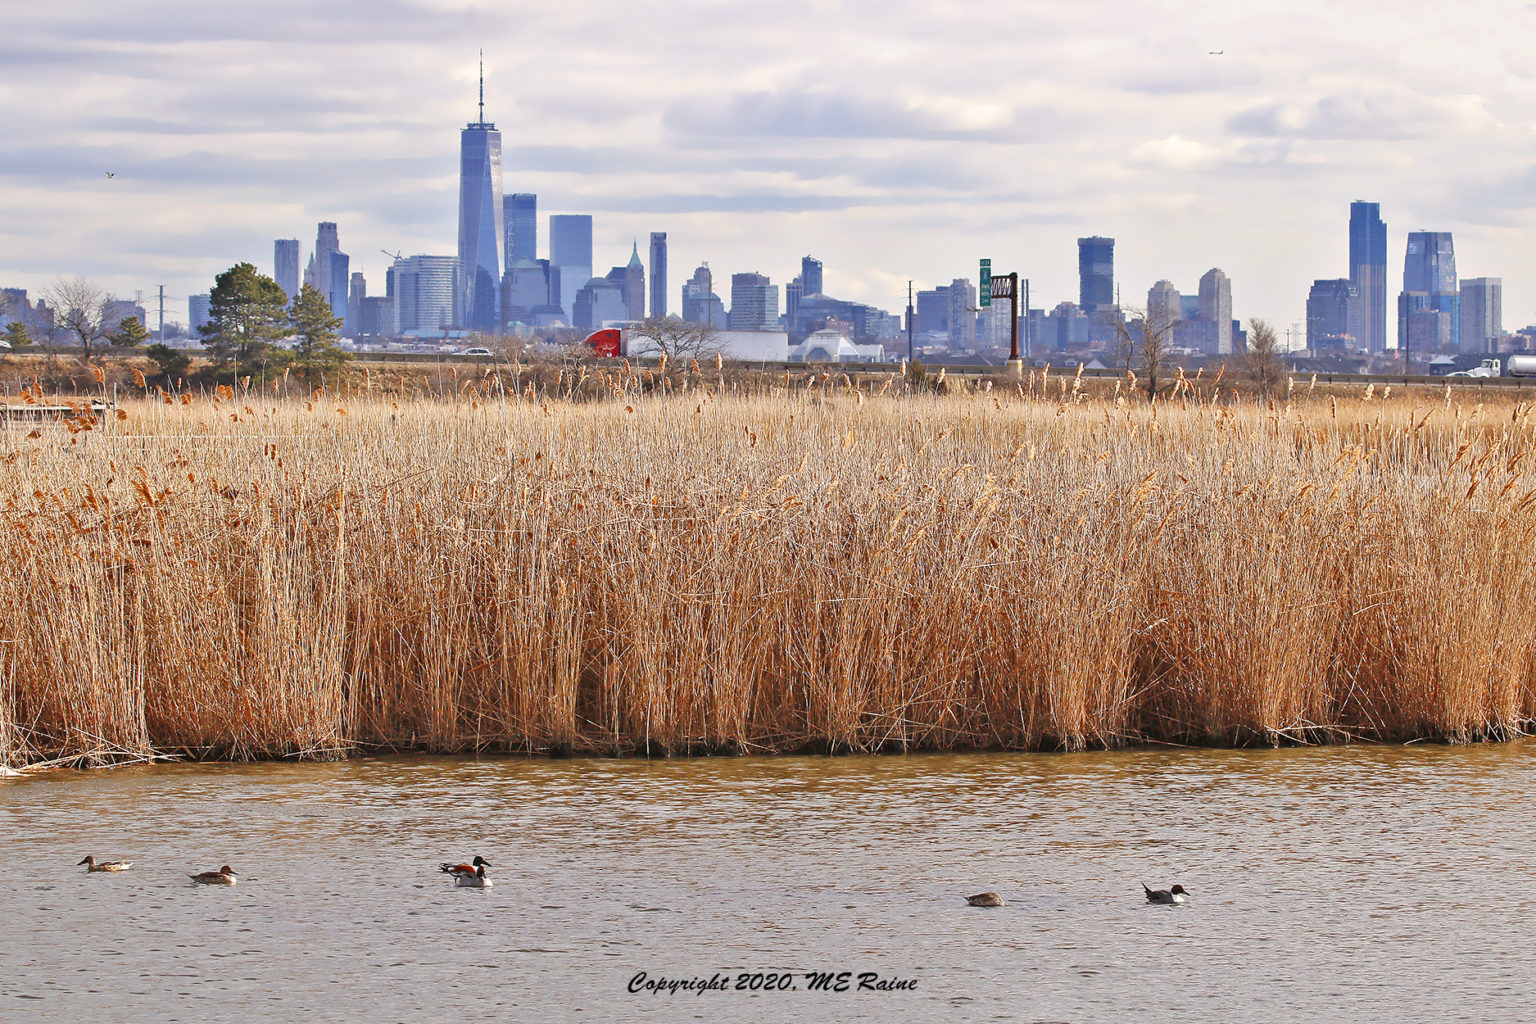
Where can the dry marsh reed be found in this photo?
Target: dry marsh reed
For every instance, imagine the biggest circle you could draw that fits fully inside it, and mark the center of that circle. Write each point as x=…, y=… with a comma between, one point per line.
x=672, y=565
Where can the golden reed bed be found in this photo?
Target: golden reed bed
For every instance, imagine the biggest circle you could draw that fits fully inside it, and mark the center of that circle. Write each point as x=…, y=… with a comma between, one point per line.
x=809, y=567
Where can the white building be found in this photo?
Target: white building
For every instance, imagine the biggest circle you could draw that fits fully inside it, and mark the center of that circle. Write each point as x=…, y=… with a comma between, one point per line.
x=830, y=346
x=1216, y=307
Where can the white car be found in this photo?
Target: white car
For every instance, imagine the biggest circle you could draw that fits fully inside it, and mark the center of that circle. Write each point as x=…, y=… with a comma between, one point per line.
x=476, y=352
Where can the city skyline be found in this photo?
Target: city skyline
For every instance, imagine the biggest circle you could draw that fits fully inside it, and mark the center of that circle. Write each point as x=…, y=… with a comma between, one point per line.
x=923, y=151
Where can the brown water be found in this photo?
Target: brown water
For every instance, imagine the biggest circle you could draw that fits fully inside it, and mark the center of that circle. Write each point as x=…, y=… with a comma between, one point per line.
x=1346, y=883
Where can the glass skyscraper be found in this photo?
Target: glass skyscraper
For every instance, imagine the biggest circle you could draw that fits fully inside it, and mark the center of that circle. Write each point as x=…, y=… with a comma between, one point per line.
x=1429, y=267
x=658, y=273
x=1095, y=273
x=1332, y=313
x=481, y=222
x=1368, y=273
x=285, y=265
x=810, y=276
x=754, y=303
x=1482, y=313
x=426, y=291
x=570, y=250
x=522, y=222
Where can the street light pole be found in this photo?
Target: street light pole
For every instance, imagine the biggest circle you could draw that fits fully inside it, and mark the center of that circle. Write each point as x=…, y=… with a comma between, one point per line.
x=909, y=321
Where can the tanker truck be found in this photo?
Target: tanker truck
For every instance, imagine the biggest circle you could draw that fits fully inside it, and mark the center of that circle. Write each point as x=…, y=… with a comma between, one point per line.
x=1521, y=366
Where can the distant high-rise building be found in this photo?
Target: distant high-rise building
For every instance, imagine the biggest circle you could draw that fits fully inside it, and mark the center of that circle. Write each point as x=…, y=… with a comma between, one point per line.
x=520, y=215
x=375, y=317
x=570, y=250
x=792, y=295
x=1332, y=311
x=197, y=311
x=340, y=263
x=318, y=274
x=1422, y=330
x=1095, y=273
x=1163, y=305
x=997, y=332
x=754, y=303
x=356, y=293
x=426, y=292
x=810, y=277
x=961, y=317
x=1482, y=313
x=1067, y=327
x=116, y=310
x=630, y=281
x=526, y=289
x=658, y=273
x=700, y=303
x=1368, y=273
x=285, y=265
x=482, y=221
x=1216, y=307
x=600, y=301
x=14, y=306
x=1430, y=267
x=933, y=310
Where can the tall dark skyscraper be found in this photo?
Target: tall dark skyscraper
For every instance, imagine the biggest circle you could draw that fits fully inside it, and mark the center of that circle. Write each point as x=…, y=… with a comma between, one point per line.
x=1095, y=272
x=1429, y=268
x=285, y=265
x=1368, y=273
x=521, y=213
x=658, y=273
x=810, y=276
x=482, y=232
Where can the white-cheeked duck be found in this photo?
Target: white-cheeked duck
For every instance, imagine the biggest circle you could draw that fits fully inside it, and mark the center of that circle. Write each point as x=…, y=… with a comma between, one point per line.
x=476, y=880
x=462, y=870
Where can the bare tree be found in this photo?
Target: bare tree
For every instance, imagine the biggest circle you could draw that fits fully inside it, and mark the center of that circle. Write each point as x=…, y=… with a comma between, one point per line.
x=1145, y=342
x=1261, y=360
x=79, y=308
x=674, y=338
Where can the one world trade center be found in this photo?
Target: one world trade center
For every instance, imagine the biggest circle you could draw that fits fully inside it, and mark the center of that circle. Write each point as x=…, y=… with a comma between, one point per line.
x=480, y=221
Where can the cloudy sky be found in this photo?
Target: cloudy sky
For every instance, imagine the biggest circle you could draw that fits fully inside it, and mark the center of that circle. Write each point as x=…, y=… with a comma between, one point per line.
x=893, y=140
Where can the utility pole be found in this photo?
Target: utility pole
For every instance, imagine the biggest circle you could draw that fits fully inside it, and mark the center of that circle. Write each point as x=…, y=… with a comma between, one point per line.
x=1026, y=318
x=162, y=314
x=909, y=320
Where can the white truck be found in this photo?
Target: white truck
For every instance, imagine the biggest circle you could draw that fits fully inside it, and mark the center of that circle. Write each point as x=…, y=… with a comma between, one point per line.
x=1521, y=366
x=1489, y=368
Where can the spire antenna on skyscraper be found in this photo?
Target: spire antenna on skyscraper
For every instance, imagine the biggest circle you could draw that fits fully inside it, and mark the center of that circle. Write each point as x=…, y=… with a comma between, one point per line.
x=482, y=87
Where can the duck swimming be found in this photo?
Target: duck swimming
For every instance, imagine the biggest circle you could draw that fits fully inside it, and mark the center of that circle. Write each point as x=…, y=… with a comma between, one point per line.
x=985, y=899
x=474, y=880
x=460, y=870
x=92, y=864
x=1173, y=895
x=224, y=876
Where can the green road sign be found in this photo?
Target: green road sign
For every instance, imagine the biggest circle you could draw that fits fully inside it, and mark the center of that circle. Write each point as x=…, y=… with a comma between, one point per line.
x=984, y=290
